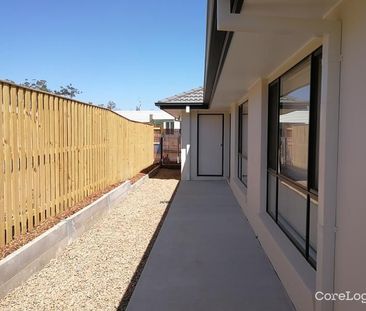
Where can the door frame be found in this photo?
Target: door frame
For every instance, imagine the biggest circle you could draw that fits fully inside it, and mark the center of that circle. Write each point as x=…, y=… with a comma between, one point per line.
x=222, y=143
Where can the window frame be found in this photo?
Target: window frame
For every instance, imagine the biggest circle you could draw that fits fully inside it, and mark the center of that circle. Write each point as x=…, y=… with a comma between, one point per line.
x=311, y=190
x=169, y=127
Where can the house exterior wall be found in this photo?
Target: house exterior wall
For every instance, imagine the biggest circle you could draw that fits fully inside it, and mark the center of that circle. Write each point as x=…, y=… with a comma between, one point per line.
x=176, y=124
x=342, y=209
x=189, y=145
x=348, y=273
x=186, y=146
x=295, y=273
x=350, y=253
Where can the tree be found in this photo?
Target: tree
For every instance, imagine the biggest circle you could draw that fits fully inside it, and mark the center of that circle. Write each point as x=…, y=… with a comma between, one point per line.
x=111, y=105
x=68, y=90
x=37, y=85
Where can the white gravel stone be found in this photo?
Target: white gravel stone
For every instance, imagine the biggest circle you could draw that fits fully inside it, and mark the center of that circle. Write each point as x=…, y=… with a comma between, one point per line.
x=95, y=270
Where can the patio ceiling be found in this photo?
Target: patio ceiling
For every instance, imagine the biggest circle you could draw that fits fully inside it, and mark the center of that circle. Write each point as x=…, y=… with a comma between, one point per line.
x=255, y=52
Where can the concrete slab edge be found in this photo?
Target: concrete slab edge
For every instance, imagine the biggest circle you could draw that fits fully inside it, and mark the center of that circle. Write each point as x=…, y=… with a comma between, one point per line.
x=32, y=257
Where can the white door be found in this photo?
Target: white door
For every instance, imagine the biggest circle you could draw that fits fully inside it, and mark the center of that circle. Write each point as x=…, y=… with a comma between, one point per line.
x=210, y=143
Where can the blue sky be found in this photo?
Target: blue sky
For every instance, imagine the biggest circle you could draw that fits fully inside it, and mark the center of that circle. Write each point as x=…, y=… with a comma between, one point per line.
x=127, y=51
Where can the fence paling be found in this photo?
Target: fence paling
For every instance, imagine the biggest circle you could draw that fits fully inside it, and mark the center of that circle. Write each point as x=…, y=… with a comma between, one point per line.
x=2, y=211
x=57, y=151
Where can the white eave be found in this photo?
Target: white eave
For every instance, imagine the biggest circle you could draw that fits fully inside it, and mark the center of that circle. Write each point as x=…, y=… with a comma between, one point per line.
x=266, y=34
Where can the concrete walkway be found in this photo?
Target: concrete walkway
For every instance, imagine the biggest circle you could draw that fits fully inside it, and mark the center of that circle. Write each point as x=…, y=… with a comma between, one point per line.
x=206, y=257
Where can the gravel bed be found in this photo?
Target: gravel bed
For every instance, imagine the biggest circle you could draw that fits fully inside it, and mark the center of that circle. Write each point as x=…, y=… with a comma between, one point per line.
x=94, y=272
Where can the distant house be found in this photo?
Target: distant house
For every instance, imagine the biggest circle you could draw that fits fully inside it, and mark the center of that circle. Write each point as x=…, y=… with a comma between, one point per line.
x=159, y=118
x=166, y=133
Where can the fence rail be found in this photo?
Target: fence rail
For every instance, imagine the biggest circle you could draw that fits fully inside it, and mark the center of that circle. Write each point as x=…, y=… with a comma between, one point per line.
x=57, y=151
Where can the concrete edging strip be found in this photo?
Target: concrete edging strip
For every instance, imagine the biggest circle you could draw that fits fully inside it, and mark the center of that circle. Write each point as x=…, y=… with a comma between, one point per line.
x=152, y=173
x=33, y=256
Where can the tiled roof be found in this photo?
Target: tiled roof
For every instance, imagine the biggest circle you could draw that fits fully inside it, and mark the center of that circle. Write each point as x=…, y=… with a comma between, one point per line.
x=192, y=96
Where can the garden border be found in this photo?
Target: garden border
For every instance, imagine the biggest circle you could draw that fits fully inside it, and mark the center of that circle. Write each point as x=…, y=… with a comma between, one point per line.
x=18, y=266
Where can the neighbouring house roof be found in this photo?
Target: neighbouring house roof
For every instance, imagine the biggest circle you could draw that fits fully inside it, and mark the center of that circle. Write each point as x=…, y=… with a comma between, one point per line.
x=145, y=115
x=298, y=117
x=217, y=46
x=193, y=98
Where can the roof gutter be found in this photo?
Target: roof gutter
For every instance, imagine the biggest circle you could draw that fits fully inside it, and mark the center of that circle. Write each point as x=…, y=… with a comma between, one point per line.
x=178, y=105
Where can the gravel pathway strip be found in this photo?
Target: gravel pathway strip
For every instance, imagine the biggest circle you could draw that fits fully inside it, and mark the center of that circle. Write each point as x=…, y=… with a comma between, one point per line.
x=95, y=270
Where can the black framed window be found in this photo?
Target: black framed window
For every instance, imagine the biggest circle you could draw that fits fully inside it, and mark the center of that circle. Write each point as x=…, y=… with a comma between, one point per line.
x=169, y=130
x=243, y=142
x=293, y=147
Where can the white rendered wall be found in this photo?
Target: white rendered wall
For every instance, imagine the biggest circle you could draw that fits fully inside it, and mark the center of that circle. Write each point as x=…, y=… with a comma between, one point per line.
x=186, y=146
x=350, y=250
x=299, y=279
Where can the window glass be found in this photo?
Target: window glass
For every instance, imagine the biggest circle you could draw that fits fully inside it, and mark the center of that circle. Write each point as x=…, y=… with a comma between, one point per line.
x=244, y=128
x=243, y=142
x=316, y=164
x=313, y=234
x=273, y=97
x=293, y=152
x=294, y=123
x=240, y=132
x=314, y=121
x=292, y=206
x=271, y=195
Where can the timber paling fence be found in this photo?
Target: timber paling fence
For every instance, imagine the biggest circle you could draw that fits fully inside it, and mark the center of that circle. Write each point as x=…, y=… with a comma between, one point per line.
x=56, y=151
